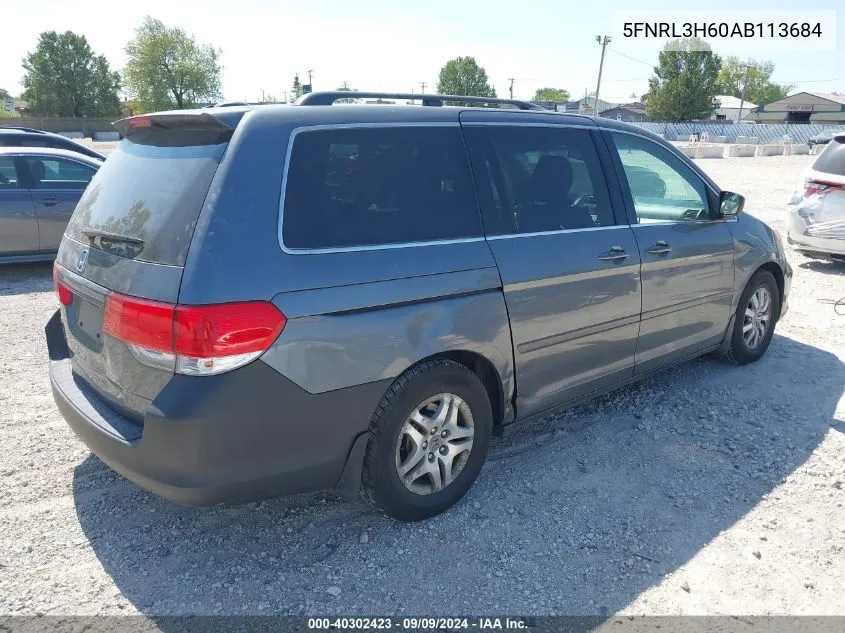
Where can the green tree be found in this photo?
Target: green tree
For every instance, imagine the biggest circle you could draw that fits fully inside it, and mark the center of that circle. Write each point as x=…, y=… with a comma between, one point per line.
x=166, y=68
x=760, y=91
x=463, y=76
x=683, y=86
x=556, y=95
x=64, y=77
x=5, y=97
x=296, y=89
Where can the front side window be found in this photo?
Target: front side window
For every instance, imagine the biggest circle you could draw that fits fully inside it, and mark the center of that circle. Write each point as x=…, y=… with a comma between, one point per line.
x=544, y=179
x=378, y=186
x=58, y=173
x=662, y=187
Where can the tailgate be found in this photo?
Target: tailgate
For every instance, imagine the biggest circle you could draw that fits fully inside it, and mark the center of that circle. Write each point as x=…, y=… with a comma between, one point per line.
x=129, y=236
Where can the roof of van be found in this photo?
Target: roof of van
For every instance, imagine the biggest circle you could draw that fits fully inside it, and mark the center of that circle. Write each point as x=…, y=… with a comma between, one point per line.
x=313, y=115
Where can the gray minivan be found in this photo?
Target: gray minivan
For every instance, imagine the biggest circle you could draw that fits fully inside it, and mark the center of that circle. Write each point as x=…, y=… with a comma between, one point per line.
x=268, y=300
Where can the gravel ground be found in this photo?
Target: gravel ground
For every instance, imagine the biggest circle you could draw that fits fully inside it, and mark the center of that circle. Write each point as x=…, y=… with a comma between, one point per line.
x=707, y=490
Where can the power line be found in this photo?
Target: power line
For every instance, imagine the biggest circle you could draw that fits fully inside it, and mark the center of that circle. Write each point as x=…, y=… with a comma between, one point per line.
x=811, y=81
x=633, y=59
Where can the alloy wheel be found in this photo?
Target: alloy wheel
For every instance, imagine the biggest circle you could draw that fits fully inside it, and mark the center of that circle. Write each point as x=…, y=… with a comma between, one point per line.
x=757, y=318
x=434, y=444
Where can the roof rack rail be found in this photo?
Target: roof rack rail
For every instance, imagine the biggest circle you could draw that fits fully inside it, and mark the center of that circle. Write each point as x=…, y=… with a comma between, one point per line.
x=329, y=97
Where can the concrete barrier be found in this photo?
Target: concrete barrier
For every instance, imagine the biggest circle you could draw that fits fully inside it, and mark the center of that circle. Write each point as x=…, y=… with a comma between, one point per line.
x=747, y=140
x=770, y=150
x=816, y=149
x=720, y=139
x=709, y=151
x=743, y=151
x=690, y=152
x=78, y=134
x=106, y=136
x=796, y=148
x=682, y=137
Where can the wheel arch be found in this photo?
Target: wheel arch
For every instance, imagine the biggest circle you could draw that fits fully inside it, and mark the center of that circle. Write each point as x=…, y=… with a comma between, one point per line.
x=486, y=371
x=777, y=272
x=772, y=267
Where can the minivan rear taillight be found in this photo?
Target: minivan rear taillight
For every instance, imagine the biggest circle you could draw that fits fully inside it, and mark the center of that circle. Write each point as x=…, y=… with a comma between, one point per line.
x=820, y=187
x=63, y=292
x=188, y=339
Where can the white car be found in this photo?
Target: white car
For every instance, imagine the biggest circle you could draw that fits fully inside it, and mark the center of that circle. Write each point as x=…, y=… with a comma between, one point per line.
x=816, y=211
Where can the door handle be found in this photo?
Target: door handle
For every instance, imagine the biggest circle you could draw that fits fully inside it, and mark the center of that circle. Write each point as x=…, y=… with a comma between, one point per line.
x=661, y=248
x=616, y=253
x=49, y=202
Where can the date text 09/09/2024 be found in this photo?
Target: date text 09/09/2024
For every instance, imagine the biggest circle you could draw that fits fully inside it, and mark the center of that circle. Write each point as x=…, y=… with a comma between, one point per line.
x=418, y=624
x=722, y=29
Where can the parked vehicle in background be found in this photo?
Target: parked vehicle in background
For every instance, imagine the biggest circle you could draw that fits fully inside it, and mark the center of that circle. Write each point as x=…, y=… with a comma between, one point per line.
x=823, y=138
x=816, y=211
x=263, y=301
x=28, y=137
x=39, y=189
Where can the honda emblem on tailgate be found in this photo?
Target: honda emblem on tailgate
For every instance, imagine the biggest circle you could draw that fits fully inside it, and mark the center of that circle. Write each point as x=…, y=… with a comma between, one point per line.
x=83, y=259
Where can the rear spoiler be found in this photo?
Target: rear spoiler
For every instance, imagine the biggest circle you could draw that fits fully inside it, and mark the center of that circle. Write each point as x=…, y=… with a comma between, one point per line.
x=199, y=127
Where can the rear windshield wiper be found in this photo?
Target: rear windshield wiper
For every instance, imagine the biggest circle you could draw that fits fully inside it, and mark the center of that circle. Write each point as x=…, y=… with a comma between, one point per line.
x=122, y=245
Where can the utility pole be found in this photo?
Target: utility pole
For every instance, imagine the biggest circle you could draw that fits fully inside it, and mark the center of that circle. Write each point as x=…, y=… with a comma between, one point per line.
x=310, y=83
x=285, y=92
x=510, y=79
x=603, y=42
x=422, y=86
x=742, y=99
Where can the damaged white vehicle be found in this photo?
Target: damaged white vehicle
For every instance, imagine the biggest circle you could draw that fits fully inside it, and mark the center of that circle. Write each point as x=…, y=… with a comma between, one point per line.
x=816, y=211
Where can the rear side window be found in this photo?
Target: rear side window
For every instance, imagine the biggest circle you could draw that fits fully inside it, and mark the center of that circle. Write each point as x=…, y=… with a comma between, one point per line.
x=8, y=174
x=378, y=186
x=58, y=173
x=544, y=179
x=832, y=159
x=145, y=201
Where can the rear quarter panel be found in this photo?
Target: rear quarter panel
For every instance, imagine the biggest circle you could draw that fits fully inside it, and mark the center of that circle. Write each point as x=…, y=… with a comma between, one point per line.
x=346, y=336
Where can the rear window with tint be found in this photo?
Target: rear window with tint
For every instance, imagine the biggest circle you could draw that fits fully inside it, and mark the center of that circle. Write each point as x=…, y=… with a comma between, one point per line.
x=832, y=159
x=373, y=186
x=145, y=201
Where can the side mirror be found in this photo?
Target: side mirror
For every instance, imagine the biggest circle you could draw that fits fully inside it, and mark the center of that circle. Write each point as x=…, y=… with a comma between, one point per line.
x=730, y=204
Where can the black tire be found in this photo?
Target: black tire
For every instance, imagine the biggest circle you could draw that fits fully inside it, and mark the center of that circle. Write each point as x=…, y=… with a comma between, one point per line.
x=381, y=483
x=739, y=353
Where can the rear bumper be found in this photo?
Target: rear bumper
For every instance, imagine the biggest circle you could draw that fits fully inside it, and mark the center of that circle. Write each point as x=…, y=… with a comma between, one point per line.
x=244, y=435
x=820, y=245
x=818, y=227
